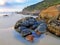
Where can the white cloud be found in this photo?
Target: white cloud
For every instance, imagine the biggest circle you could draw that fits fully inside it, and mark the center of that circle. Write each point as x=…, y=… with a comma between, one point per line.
x=21, y=1
x=3, y=2
x=17, y=1
x=13, y=6
x=10, y=9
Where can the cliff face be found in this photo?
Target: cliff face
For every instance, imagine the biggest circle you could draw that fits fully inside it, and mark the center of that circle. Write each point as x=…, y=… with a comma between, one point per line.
x=50, y=13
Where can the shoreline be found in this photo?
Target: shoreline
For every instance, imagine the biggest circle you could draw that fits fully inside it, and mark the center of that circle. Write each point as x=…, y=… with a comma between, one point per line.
x=8, y=36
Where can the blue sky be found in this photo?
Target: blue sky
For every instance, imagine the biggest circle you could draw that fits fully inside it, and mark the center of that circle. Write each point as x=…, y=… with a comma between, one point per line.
x=16, y=5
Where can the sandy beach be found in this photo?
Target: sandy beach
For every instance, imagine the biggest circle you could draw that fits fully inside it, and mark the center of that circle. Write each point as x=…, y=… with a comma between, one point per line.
x=8, y=36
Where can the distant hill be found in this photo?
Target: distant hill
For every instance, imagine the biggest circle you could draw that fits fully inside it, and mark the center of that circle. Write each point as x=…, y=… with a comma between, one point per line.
x=42, y=5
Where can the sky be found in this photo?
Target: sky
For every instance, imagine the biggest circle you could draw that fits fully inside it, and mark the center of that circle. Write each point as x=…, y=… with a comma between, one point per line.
x=16, y=5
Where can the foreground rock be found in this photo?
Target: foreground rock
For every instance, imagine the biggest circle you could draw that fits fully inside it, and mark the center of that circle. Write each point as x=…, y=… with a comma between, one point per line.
x=54, y=26
x=29, y=28
x=50, y=13
x=51, y=16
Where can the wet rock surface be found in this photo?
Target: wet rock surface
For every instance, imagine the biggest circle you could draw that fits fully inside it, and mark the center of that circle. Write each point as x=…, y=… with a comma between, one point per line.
x=30, y=26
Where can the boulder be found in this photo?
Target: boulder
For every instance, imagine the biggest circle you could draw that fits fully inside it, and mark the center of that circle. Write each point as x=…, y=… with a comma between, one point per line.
x=49, y=13
x=27, y=26
x=54, y=26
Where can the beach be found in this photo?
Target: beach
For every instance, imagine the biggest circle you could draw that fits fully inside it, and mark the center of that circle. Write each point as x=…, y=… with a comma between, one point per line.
x=8, y=36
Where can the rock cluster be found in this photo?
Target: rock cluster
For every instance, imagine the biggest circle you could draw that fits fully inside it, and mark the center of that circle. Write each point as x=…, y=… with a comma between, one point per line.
x=29, y=28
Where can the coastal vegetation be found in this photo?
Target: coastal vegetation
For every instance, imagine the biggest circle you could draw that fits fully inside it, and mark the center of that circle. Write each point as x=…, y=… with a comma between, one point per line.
x=42, y=5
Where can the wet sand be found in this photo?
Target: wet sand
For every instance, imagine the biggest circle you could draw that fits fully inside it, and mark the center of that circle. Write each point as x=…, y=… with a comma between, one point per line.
x=8, y=36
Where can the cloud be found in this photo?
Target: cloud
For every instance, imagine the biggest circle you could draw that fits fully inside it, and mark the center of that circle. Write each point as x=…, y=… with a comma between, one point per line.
x=21, y=1
x=9, y=9
x=15, y=5
x=3, y=2
x=17, y=1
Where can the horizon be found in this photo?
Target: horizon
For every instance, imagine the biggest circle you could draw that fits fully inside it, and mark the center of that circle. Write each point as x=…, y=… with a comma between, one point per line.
x=16, y=5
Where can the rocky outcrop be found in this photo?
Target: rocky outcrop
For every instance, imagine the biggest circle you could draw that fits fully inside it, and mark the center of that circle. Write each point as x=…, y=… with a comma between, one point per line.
x=50, y=13
x=52, y=17
x=54, y=26
x=35, y=12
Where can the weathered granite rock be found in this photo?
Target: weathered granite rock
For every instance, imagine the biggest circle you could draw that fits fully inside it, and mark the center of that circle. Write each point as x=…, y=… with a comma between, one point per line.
x=54, y=26
x=49, y=13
